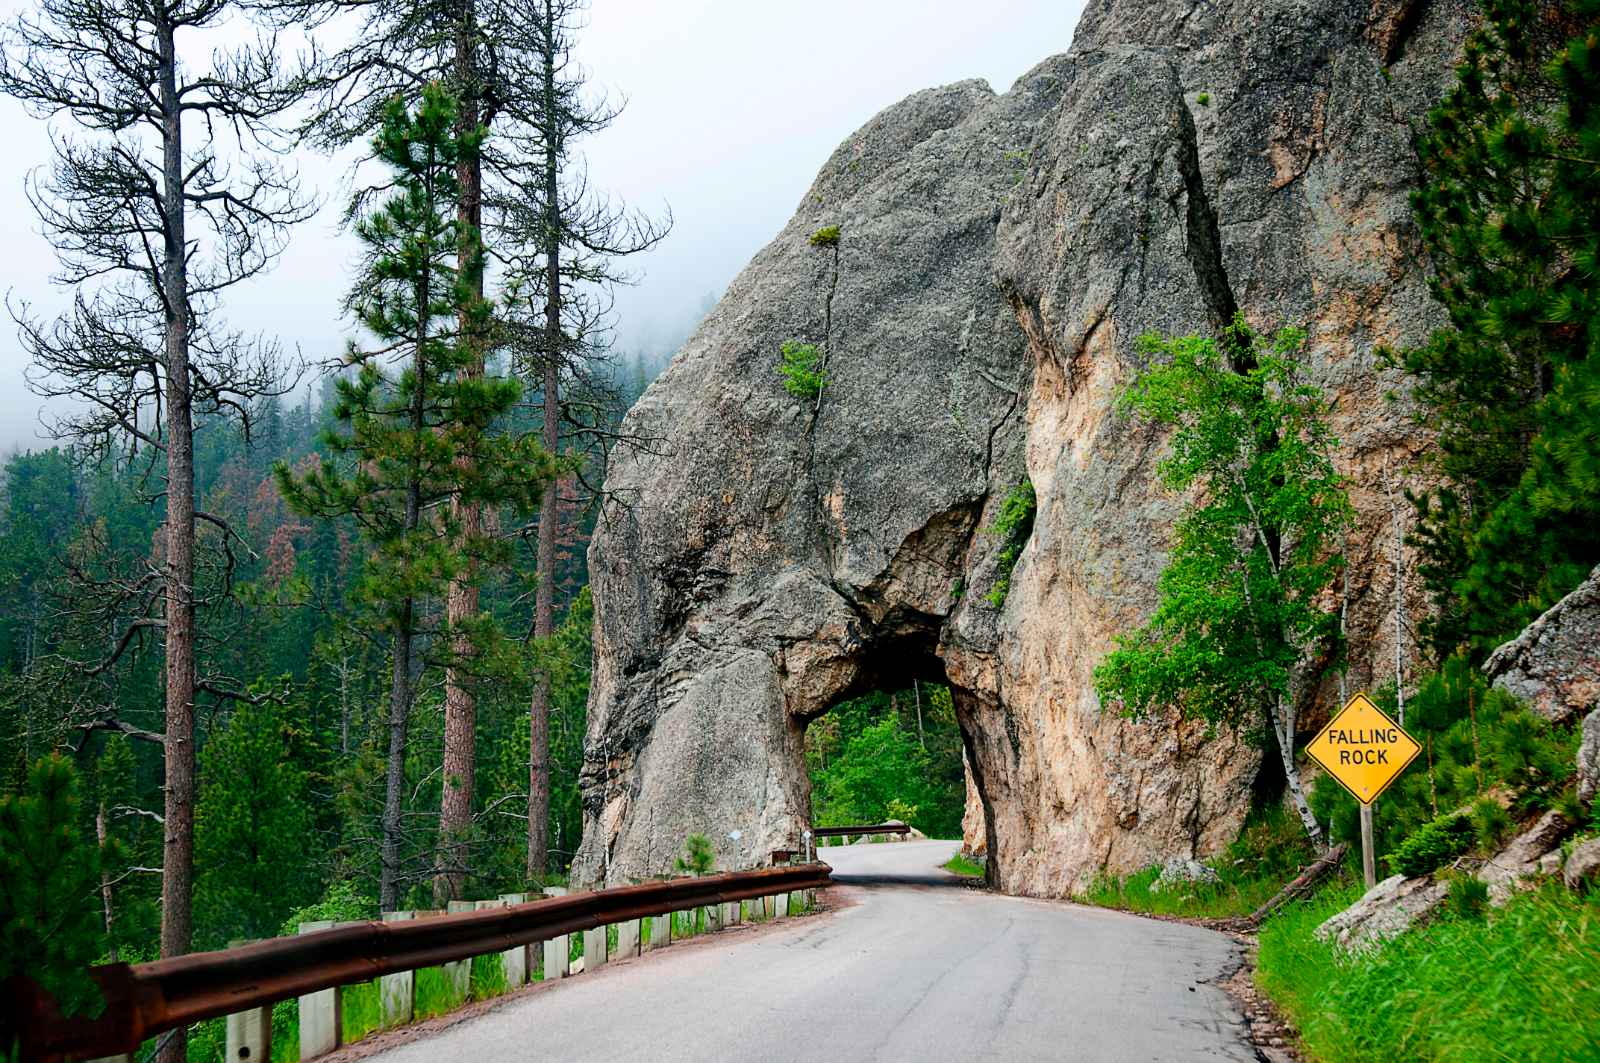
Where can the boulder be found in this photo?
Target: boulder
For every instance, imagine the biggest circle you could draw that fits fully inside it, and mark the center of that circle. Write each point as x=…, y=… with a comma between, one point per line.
x=1554, y=664
x=1582, y=869
x=1508, y=870
x=1182, y=870
x=1385, y=911
x=768, y=555
x=1589, y=759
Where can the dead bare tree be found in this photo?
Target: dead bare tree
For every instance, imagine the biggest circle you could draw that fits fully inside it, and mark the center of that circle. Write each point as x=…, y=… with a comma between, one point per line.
x=150, y=228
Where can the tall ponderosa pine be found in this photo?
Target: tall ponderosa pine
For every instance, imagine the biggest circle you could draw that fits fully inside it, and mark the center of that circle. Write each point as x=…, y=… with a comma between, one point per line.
x=1241, y=597
x=563, y=244
x=407, y=447
x=1509, y=209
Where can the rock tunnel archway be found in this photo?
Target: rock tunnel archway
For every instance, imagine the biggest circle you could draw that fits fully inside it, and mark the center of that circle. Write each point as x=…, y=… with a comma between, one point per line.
x=998, y=256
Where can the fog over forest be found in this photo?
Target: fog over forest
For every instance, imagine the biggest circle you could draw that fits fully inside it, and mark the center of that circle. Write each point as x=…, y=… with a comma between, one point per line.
x=729, y=116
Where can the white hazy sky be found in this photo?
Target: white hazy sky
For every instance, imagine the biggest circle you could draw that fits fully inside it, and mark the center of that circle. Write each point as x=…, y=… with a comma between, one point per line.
x=733, y=105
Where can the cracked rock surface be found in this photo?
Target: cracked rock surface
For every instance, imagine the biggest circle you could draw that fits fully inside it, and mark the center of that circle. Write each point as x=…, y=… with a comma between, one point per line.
x=766, y=555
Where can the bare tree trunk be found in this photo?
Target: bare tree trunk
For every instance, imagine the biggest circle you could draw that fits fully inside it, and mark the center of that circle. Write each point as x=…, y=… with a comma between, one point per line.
x=916, y=695
x=177, y=867
x=395, y=775
x=461, y=602
x=100, y=834
x=544, y=620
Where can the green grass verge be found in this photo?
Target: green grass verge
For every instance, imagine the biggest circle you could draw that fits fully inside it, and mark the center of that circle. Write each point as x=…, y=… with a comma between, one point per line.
x=960, y=865
x=1521, y=983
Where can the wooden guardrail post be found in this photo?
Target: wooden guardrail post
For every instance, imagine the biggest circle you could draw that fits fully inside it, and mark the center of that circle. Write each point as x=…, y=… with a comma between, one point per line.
x=594, y=948
x=628, y=939
x=557, y=950
x=660, y=931
x=518, y=962
x=397, y=993
x=459, y=973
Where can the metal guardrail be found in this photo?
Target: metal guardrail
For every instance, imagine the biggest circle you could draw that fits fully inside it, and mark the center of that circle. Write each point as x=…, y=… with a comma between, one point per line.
x=873, y=828
x=146, y=999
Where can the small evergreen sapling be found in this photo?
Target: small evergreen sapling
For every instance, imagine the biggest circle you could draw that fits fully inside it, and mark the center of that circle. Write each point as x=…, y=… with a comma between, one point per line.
x=699, y=856
x=801, y=369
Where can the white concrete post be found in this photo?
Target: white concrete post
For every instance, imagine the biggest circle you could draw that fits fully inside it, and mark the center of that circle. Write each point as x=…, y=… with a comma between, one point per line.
x=730, y=913
x=320, y=1020
x=714, y=918
x=459, y=973
x=397, y=993
x=660, y=931
x=769, y=907
x=594, y=948
x=781, y=901
x=628, y=939
x=517, y=962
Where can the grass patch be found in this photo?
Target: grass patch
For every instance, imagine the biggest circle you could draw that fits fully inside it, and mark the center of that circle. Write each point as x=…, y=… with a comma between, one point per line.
x=960, y=865
x=1522, y=983
x=1270, y=850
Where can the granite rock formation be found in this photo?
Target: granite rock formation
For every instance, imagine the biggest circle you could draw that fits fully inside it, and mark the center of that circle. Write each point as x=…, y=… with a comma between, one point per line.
x=763, y=556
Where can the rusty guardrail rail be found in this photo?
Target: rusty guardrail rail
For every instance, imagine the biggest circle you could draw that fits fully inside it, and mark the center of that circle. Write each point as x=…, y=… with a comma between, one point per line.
x=871, y=828
x=146, y=999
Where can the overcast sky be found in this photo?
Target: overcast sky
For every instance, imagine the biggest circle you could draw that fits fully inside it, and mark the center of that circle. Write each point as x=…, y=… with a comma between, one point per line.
x=733, y=105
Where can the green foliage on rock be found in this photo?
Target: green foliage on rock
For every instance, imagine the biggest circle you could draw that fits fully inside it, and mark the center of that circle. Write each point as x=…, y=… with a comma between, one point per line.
x=50, y=928
x=1509, y=210
x=1012, y=526
x=827, y=236
x=800, y=366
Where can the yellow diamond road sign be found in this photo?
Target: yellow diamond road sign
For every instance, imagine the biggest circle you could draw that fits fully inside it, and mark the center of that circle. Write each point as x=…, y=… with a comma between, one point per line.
x=1363, y=749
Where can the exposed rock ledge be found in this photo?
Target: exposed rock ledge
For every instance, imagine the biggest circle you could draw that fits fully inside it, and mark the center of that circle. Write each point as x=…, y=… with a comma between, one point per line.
x=1000, y=255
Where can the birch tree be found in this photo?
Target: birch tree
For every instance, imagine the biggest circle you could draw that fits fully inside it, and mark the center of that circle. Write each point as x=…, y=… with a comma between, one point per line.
x=1242, y=607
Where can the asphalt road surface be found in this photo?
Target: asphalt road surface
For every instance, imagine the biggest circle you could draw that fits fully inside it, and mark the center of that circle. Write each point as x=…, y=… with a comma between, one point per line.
x=917, y=968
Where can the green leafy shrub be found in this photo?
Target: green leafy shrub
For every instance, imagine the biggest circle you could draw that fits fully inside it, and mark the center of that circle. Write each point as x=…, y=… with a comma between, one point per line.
x=1204, y=99
x=1012, y=526
x=801, y=369
x=827, y=236
x=1431, y=846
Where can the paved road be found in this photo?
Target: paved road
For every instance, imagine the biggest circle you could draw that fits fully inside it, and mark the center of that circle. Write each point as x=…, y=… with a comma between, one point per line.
x=918, y=969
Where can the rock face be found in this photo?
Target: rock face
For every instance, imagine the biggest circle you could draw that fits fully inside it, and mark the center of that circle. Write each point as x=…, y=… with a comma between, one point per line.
x=765, y=556
x=1385, y=911
x=1554, y=664
x=1589, y=759
x=1508, y=870
x=1582, y=870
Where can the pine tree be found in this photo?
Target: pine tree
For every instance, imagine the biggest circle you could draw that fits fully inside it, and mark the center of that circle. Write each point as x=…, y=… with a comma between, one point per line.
x=251, y=828
x=1509, y=210
x=1241, y=604
x=49, y=922
x=408, y=447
